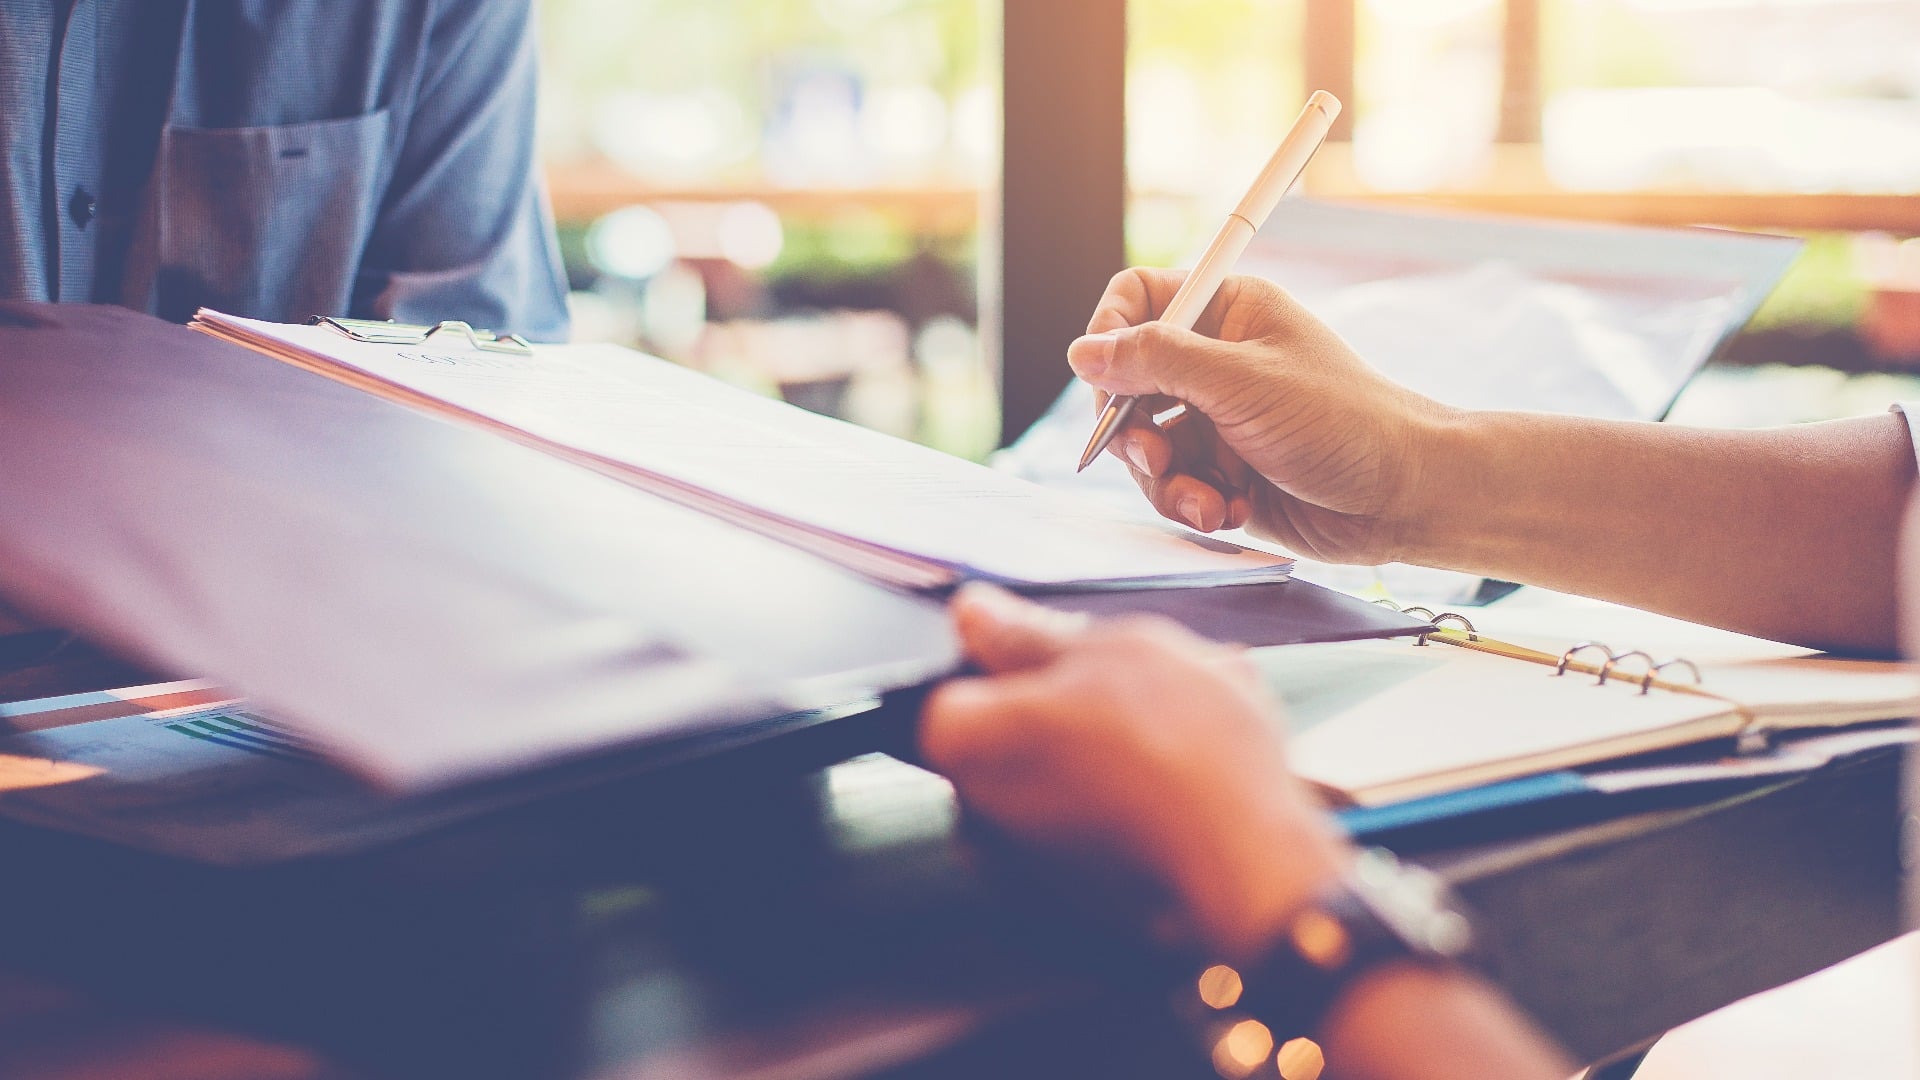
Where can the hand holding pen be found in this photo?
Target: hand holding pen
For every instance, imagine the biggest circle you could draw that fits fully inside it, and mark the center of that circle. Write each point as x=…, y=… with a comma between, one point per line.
x=1288, y=162
x=1286, y=432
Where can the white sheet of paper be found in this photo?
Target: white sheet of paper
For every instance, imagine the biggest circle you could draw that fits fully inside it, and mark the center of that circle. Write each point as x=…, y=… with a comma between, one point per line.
x=804, y=477
x=1552, y=621
x=1441, y=718
x=1797, y=756
x=1374, y=718
x=1779, y=685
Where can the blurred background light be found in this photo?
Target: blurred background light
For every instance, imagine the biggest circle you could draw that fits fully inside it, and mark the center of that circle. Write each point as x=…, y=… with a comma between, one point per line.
x=751, y=235
x=634, y=243
x=1740, y=138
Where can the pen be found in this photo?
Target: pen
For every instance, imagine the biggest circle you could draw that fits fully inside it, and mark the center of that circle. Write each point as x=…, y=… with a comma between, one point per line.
x=1286, y=165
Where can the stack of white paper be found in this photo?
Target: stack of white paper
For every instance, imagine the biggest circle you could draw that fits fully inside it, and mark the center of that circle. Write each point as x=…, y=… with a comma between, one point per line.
x=895, y=511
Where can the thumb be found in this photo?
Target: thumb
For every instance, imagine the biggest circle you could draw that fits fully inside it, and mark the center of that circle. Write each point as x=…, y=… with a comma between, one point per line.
x=1158, y=358
x=1002, y=632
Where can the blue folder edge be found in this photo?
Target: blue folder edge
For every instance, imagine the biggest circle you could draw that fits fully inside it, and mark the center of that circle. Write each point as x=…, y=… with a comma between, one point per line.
x=1570, y=796
x=1500, y=798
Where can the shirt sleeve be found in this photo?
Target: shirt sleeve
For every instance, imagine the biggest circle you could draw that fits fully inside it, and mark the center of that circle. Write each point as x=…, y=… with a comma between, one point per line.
x=465, y=231
x=1909, y=581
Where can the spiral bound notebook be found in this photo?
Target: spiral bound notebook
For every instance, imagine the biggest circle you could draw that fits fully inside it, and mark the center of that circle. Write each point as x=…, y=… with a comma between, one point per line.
x=1379, y=723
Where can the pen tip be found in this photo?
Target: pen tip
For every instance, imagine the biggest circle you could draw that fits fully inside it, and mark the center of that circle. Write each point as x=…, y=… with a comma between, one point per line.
x=1110, y=420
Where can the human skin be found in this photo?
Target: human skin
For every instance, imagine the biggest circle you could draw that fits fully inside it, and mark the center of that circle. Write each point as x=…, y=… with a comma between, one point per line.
x=1787, y=533
x=1140, y=744
x=1143, y=745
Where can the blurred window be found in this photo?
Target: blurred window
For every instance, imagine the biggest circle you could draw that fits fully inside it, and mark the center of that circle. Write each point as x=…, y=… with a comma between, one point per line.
x=789, y=193
x=1784, y=115
x=786, y=193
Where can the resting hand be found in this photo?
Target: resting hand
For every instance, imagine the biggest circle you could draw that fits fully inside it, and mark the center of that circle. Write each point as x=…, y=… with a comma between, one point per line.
x=1138, y=742
x=1288, y=432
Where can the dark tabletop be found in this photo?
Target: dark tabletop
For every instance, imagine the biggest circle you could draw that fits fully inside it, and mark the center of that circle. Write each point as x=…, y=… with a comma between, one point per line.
x=762, y=916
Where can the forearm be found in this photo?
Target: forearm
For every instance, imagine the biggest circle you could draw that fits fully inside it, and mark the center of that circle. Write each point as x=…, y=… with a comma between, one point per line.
x=1413, y=1023
x=1786, y=533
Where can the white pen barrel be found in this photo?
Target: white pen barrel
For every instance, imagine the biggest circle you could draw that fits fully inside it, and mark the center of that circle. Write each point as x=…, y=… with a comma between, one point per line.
x=1206, y=278
x=1290, y=158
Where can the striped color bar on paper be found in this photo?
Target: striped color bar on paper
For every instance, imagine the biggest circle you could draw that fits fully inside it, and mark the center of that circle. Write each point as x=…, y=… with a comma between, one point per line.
x=242, y=731
x=46, y=714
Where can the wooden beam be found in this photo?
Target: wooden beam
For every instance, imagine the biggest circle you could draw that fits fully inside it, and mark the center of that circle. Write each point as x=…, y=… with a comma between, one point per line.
x=1330, y=40
x=1062, y=223
x=583, y=192
x=1899, y=214
x=1520, y=101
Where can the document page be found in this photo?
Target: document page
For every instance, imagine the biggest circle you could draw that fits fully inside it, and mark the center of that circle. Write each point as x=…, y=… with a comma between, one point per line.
x=1382, y=721
x=889, y=508
x=1780, y=686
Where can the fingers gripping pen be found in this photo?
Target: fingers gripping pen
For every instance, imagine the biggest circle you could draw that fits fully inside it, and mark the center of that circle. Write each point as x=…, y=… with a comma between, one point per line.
x=1286, y=165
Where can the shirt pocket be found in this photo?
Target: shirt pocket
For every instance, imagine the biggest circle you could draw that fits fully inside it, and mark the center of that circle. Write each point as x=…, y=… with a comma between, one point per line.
x=267, y=222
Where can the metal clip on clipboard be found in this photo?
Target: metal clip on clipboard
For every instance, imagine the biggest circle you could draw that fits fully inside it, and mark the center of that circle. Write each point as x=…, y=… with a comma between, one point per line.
x=393, y=333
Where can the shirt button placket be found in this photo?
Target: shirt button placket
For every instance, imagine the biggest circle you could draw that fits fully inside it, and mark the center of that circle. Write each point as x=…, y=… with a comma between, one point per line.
x=77, y=151
x=82, y=208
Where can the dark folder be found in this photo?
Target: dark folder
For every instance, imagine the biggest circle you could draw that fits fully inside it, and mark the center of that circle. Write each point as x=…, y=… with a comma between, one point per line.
x=429, y=604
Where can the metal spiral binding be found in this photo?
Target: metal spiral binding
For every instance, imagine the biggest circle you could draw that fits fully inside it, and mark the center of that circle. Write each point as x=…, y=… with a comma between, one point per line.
x=1437, y=620
x=1615, y=659
x=1567, y=657
x=1606, y=669
x=1645, y=679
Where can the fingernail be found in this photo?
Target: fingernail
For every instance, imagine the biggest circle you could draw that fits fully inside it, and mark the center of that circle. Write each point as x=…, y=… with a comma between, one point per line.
x=1190, y=511
x=992, y=598
x=1137, y=454
x=1065, y=623
x=1092, y=355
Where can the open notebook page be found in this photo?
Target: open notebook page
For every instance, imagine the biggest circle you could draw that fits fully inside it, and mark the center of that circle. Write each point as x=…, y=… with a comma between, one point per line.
x=1777, y=685
x=1379, y=722
x=1383, y=721
x=894, y=510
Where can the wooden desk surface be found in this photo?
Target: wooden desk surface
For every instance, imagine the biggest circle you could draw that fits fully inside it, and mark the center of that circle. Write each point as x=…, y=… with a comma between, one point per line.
x=750, y=921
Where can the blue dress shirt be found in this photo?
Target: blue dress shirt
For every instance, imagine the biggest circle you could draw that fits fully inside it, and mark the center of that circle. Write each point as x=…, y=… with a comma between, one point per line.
x=277, y=159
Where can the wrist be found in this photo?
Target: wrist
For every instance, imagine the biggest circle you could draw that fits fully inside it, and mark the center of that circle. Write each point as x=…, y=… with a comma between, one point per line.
x=1363, y=965
x=1454, y=469
x=1396, y=1018
x=1385, y=991
x=1424, y=439
x=1240, y=894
